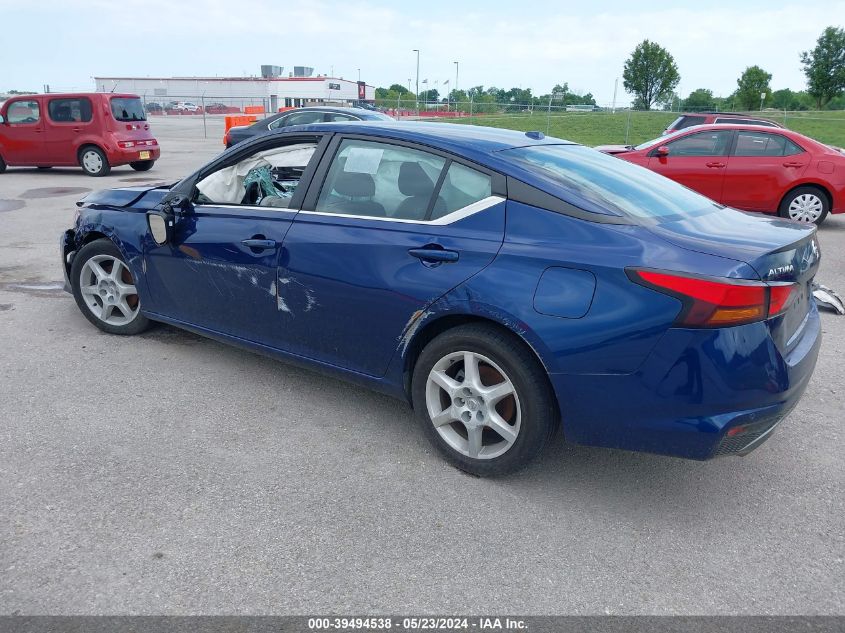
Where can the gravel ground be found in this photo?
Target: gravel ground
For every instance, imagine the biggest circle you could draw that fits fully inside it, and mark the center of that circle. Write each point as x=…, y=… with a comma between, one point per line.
x=169, y=474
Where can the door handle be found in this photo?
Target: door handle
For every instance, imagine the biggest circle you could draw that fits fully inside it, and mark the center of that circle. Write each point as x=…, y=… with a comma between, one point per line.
x=715, y=164
x=434, y=254
x=259, y=245
x=793, y=164
x=77, y=129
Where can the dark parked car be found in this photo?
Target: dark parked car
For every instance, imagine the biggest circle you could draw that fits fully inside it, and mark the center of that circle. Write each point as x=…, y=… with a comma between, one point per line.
x=505, y=284
x=717, y=118
x=301, y=116
x=152, y=106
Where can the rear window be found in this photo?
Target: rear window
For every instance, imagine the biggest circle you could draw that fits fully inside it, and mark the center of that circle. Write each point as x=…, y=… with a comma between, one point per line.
x=687, y=121
x=599, y=183
x=124, y=109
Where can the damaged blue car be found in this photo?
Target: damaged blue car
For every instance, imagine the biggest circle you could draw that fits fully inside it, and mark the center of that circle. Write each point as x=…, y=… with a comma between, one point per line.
x=507, y=285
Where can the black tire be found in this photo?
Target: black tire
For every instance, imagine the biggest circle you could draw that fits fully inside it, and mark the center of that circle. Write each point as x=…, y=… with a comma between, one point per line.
x=783, y=210
x=90, y=165
x=142, y=165
x=2, y=165
x=534, y=398
x=93, y=249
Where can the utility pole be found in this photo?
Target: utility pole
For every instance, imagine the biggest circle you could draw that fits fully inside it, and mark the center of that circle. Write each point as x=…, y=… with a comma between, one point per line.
x=457, y=68
x=615, y=87
x=417, y=98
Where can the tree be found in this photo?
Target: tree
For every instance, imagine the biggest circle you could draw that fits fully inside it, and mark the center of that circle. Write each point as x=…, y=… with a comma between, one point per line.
x=399, y=88
x=825, y=66
x=750, y=85
x=699, y=100
x=650, y=74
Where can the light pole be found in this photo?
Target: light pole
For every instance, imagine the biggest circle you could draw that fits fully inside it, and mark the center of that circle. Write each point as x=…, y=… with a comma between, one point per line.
x=359, y=75
x=417, y=98
x=456, y=86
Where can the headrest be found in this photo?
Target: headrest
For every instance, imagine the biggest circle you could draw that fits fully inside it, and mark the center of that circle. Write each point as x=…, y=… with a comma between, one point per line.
x=413, y=181
x=355, y=185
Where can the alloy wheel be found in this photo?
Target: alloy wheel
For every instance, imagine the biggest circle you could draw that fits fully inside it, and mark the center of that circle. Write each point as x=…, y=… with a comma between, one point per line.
x=473, y=405
x=108, y=290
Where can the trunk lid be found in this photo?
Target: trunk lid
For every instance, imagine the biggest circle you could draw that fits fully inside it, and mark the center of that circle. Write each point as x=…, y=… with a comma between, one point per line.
x=779, y=251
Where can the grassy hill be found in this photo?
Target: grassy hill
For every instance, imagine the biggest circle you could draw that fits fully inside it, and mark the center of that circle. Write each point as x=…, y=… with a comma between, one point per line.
x=597, y=128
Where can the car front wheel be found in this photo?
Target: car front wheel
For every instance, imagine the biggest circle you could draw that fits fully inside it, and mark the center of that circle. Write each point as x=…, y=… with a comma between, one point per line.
x=483, y=399
x=105, y=291
x=805, y=204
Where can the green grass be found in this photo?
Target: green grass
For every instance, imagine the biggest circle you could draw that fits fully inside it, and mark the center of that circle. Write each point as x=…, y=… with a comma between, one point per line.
x=599, y=128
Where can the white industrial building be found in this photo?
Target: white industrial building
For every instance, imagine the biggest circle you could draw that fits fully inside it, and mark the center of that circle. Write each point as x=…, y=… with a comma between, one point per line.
x=272, y=90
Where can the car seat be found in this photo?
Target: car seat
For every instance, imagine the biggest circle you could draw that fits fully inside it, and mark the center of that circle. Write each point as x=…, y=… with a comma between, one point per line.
x=353, y=187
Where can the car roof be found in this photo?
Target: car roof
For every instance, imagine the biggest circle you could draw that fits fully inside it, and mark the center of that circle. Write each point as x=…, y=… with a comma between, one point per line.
x=791, y=134
x=447, y=136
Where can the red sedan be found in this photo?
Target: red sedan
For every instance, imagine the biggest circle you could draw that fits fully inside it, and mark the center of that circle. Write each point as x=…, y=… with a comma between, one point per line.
x=749, y=167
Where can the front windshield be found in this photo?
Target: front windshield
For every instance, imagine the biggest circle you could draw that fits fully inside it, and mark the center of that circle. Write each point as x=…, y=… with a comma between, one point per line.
x=127, y=109
x=599, y=183
x=662, y=139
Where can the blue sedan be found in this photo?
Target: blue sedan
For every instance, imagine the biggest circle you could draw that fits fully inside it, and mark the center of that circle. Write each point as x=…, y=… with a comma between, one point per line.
x=507, y=285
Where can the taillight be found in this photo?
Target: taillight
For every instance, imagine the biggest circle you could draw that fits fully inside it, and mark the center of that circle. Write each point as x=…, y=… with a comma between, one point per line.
x=710, y=302
x=126, y=144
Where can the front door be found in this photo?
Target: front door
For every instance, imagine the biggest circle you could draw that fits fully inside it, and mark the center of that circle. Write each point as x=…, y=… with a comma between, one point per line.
x=22, y=134
x=219, y=271
x=697, y=160
x=388, y=230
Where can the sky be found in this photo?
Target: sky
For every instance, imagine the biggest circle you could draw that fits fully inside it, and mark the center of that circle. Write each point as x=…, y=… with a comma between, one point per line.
x=529, y=44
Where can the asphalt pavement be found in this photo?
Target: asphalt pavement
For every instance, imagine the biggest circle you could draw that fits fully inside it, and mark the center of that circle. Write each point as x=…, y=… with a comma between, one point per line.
x=170, y=474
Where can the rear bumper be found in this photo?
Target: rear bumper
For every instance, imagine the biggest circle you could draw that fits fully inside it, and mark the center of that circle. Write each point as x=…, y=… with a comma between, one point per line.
x=120, y=156
x=700, y=394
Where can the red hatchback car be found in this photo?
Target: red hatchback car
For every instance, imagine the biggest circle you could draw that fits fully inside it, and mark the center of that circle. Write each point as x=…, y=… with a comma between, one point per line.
x=749, y=167
x=96, y=131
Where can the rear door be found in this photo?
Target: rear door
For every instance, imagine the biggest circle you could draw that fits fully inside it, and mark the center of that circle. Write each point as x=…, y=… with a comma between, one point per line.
x=386, y=229
x=696, y=160
x=763, y=165
x=22, y=134
x=66, y=121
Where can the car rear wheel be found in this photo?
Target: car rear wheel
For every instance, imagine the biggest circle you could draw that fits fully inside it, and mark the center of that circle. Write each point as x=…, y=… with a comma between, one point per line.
x=94, y=162
x=105, y=290
x=805, y=204
x=142, y=165
x=483, y=399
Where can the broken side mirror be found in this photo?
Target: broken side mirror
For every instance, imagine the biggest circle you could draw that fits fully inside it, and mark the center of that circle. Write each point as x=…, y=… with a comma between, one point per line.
x=161, y=226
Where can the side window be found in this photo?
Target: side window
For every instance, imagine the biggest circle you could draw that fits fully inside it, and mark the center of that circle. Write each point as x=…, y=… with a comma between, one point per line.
x=380, y=180
x=304, y=118
x=701, y=144
x=267, y=178
x=69, y=110
x=23, y=112
x=461, y=187
x=764, y=144
x=337, y=116
x=745, y=122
